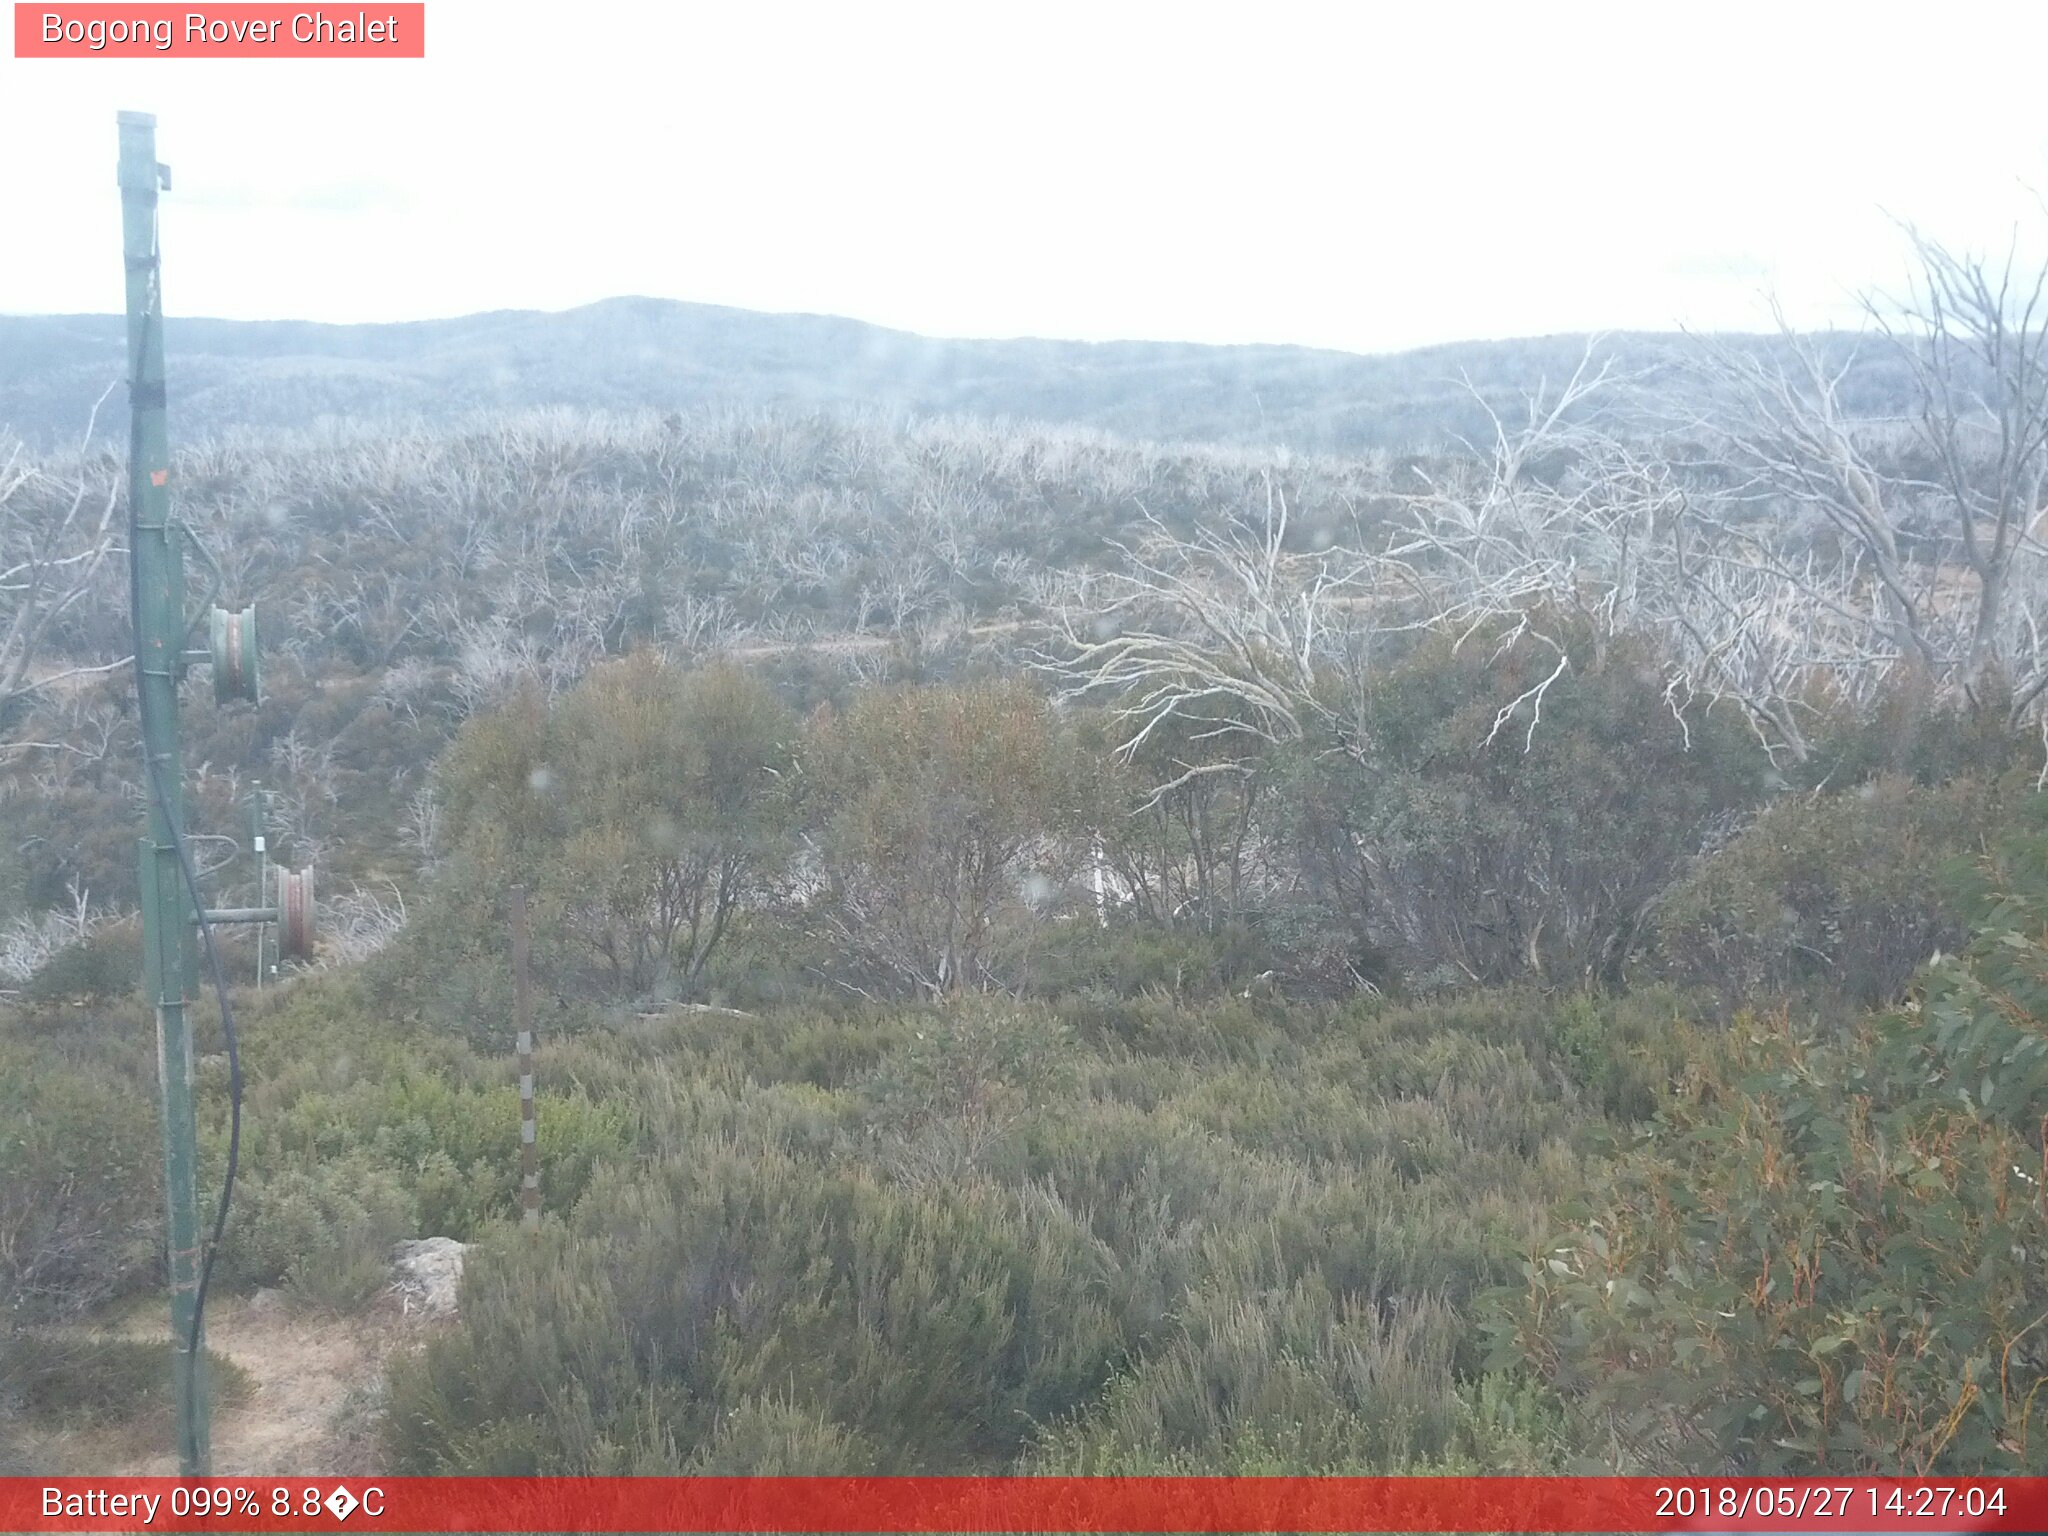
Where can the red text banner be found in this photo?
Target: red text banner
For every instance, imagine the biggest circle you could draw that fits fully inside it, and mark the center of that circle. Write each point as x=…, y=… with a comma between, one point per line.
x=231, y=31
x=1137, y=1504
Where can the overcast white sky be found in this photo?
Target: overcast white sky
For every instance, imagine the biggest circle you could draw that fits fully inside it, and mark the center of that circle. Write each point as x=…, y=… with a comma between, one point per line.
x=1362, y=176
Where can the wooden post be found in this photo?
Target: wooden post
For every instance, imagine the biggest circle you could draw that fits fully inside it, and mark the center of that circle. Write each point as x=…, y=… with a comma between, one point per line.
x=522, y=1002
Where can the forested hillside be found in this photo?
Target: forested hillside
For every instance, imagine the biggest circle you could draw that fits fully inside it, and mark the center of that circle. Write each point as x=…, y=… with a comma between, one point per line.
x=1072, y=947
x=636, y=354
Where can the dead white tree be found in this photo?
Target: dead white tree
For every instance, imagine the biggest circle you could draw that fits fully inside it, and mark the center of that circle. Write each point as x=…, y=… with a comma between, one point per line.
x=56, y=533
x=30, y=941
x=1937, y=518
x=1776, y=422
x=1564, y=523
x=1224, y=635
x=1717, y=554
x=902, y=591
x=1551, y=520
x=361, y=922
x=1977, y=338
x=1229, y=640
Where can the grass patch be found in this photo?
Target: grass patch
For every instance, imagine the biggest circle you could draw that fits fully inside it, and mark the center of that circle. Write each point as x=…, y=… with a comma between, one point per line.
x=73, y=1381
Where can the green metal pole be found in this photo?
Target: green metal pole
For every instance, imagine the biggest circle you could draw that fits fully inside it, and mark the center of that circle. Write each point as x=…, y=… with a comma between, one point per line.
x=167, y=914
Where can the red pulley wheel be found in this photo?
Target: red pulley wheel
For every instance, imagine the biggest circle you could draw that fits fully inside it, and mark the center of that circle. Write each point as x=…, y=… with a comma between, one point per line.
x=295, y=930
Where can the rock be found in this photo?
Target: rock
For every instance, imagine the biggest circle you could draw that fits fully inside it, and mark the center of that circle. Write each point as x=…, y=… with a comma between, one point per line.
x=267, y=1302
x=426, y=1275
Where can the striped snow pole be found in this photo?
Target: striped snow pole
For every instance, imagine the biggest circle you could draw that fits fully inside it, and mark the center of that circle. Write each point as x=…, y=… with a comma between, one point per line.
x=522, y=997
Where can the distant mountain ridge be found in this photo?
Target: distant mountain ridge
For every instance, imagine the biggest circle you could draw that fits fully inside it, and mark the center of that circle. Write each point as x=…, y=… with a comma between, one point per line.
x=639, y=353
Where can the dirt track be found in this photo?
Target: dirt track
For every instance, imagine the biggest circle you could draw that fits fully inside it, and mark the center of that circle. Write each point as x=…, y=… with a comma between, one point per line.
x=310, y=1410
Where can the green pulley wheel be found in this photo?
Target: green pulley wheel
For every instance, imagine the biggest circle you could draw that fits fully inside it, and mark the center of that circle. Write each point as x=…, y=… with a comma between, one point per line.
x=234, y=656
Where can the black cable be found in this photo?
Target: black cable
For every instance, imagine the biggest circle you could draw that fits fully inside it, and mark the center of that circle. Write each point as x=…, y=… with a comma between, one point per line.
x=227, y=1025
x=184, y=852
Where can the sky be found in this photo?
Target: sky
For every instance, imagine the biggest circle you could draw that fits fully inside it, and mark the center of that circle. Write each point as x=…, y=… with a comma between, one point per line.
x=1365, y=176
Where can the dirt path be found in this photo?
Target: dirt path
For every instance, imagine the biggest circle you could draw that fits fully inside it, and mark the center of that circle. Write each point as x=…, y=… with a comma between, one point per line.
x=314, y=1386
x=853, y=644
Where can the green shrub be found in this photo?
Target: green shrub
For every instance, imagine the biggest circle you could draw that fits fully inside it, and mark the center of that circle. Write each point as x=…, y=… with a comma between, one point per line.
x=1174, y=817
x=435, y=1119
x=1129, y=958
x=1827, y=1258
x=947, y=820
x=324, y=1233
x=1629, y=1051
x=773, y=960
x=1907, y=733
x=1247, y=1031
x=81, y=1181
x=646, y=810
x=1296, y=1381
x=774, y=1437
x=1843, y=890
x=108, y=963
x=909, y=1240
x=1476, y=843
x=797, y=1045
x=936, y=1326
x=976, y=1056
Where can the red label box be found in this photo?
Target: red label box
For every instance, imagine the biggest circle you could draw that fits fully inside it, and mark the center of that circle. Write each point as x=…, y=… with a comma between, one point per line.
x=791, y=1505
x=233, y=31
